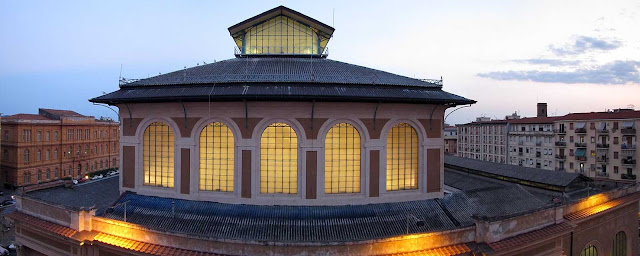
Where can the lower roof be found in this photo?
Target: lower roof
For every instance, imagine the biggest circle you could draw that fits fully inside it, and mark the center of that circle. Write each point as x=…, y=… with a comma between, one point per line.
x=282, y=92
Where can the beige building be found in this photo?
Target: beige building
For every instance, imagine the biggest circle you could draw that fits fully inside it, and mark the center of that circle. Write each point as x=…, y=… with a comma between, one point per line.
x=450, y=140
x=531, y=141
x=599, y=144
x=484, y=139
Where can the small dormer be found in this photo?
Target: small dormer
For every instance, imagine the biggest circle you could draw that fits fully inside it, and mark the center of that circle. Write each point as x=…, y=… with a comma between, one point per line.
x=281, y=31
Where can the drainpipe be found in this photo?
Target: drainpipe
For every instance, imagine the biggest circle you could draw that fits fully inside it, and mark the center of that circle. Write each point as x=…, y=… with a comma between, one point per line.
x=571, y=245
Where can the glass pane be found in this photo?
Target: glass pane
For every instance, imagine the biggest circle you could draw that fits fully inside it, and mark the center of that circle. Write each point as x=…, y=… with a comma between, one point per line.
x=281, y=35
x=279, y=160
x=157, y=156
x=216, y=158
x=402, y=158
x=342, y=160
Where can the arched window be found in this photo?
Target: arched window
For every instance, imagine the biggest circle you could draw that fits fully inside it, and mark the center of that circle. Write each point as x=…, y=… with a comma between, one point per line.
x=158, y=155
x=26, y=156
x=38, y=154
x=26, y=178
x=115, y=164
x=57, y=173
x=39, y=175
x=216, y=158
x=79, y=169
x=589, y=251
x=619, y=244
x=55, y=153
x=47, y=155
x=402, y=158
x=342, y=160
x=48, y=174
x=5, y=155
x=279, y=160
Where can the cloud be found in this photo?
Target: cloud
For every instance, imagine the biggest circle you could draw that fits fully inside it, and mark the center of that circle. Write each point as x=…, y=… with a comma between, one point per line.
x=617, y=72
x=550, y=62
x=585, y=44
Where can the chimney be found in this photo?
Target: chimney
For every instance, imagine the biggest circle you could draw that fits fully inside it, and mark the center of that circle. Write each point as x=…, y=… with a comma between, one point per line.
x=542, y=109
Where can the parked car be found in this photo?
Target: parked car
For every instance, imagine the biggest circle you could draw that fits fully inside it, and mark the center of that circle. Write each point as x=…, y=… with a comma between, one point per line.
x=82, y=180
x=7, y=202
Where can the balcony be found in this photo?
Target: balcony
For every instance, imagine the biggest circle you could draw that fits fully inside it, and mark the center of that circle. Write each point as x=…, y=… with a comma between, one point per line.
x=581, y=130
x=627, y=161
x=581, y=158
x=520, y=143
x=602, y=174
x=560, y=131
x=602, y=159
x=538, y=154
x=628, y=131
x=581, y=144
x=602, y=131
x=625, y=176
x=561, y=143
x=561, y=156
x=519, y=153
x=628, y=146
x=602, y=145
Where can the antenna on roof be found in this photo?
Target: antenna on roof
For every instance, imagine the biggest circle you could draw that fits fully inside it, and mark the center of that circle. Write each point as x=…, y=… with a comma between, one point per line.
x=333, y=19
x=120, y=76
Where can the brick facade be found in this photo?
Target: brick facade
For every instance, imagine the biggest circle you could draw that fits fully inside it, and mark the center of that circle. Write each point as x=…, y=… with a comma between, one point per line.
x=56, y=144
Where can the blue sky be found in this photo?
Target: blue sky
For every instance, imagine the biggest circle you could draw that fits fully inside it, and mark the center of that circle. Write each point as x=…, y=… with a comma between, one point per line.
x=575, y=55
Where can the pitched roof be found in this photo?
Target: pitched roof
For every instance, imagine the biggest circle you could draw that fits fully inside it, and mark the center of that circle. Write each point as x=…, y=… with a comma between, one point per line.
x=281, y=10
x=555, y=179
x=621, y=114
x=602, y=207
x=284, y=79
x=62, y=113
x=146, y=248
x=42, y=224
x=534, y=120
x=536, y=235
x=97, y=194
x=287, y=224
x=25, y=117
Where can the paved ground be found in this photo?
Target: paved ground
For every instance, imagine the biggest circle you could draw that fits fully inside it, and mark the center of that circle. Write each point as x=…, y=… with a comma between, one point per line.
x=7, y=234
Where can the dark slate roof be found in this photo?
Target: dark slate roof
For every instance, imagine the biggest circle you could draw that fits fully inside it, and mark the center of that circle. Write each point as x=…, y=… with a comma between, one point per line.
x=526, y=174
x=290, y=224
x=281, y=78
x=280, y=70
x=488, y=198
x=97, y=194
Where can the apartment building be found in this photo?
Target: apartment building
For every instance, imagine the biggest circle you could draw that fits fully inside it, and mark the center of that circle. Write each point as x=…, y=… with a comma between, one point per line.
x=599, y=144
x=450, y=140
x=531, y=140
x=484, y=139
x=56, y=144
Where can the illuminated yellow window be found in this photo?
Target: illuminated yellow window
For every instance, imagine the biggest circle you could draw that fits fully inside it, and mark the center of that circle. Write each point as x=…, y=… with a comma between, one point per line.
x=402, y=158
x=216, y=158
x=282, y=35
x=589, y=251
x=342, y=160
x=157, y=155
x=279, y=160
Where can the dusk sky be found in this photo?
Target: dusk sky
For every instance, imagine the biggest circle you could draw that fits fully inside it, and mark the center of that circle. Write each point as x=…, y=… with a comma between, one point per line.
x=578, y=56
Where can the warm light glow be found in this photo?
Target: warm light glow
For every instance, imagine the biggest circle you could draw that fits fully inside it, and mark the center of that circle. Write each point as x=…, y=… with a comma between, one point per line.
x=342, y=160
x=282, y=35
x=216, y=158
x=158, y=154
x=402, y=158
x=279, y=160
